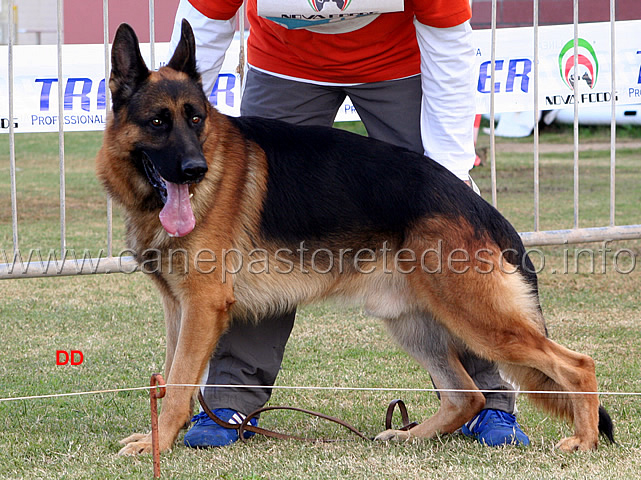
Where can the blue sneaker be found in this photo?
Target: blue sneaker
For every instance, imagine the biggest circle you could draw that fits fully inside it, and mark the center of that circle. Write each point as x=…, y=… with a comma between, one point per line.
x=495, y=427
x=206, y=433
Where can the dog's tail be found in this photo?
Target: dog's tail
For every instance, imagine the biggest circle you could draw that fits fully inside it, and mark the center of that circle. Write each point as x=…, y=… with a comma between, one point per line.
x=606, y=427
x=559, y=404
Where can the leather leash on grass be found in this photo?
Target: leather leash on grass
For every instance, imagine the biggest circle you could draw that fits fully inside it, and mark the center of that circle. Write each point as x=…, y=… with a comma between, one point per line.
x=245, y=426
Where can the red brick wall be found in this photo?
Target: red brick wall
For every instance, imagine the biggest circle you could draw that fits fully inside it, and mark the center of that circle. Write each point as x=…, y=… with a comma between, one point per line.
x=83, y=19
x=515, y=13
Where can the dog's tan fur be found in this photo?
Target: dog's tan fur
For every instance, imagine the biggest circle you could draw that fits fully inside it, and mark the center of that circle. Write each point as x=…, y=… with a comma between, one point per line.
x=495, y=315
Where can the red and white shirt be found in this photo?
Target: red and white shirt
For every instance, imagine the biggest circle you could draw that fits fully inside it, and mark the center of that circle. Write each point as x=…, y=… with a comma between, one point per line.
x=384, y=49
x=432, y=38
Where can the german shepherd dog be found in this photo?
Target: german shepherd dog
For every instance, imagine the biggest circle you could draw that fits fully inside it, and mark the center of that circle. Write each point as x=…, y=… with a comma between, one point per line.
x=334, y=215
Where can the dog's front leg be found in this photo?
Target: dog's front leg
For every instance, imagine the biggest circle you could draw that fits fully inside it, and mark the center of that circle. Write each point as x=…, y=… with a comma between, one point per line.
x=172, y=328
x=202, y=324
x=172, y=310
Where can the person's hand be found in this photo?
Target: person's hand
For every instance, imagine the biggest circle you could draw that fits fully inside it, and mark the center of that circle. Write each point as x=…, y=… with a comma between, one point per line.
x=470, y=183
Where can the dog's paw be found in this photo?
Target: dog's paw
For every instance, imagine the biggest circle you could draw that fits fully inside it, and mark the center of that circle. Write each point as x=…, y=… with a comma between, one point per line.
x=134, y=438
x=136, y=444
x=392, y=435
x=572, y=444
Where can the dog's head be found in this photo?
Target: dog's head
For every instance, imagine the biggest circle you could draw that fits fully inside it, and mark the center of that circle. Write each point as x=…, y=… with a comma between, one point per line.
x=166, y=113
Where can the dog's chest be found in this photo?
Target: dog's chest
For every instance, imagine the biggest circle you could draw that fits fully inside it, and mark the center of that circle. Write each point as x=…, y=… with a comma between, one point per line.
x=383, y=295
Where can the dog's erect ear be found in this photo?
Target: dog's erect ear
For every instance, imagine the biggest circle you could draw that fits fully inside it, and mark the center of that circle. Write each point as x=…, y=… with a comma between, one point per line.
x=128, y=69
x=184, y=58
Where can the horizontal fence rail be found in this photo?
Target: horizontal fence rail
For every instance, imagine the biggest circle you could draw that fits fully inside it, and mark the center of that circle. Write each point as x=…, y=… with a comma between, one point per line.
x=14, y=266
x=67, y=267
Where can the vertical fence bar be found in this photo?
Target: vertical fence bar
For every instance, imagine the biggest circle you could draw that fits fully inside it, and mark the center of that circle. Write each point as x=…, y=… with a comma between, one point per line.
x=105, y=27
x=576, y=88
x=12, y=134
x=613, y=122
x=492, y=98
x=241, y=53
x=536, y=115
x=152, y=35
x=61, y=132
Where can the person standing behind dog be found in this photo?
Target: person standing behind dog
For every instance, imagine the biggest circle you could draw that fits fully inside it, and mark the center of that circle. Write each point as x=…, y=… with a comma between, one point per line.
x=409, y=74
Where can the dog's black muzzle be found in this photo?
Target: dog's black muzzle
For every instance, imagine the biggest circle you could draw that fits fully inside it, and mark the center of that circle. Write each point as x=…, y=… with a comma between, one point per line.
x=193, y=169
x=190, y=170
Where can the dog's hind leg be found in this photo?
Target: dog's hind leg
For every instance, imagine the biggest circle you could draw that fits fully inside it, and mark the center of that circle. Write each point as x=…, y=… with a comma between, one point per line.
x=499, y=319
x=436, y=350
x=552, y=367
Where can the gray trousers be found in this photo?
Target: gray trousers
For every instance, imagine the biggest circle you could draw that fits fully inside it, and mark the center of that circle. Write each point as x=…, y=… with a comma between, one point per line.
x=251, y=354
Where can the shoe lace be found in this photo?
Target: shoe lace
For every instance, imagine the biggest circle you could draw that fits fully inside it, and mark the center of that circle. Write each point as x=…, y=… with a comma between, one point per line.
x=494, y=418
x=235, y=417
x=498, y=418
x=198, y=416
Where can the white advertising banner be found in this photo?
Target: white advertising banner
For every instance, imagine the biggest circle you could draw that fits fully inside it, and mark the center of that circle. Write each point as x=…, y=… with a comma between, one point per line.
x=83, y=89
x=514, y=75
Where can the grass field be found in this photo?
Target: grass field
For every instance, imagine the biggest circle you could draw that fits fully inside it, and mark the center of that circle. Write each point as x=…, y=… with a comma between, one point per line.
x=116, y=321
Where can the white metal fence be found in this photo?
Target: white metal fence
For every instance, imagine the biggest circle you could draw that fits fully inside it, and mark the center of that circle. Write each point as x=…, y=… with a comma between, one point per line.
x=537, y=237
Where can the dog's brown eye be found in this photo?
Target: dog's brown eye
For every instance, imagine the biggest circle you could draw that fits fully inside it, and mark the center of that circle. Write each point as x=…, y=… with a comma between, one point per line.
x=156, y=122
x=195, y=119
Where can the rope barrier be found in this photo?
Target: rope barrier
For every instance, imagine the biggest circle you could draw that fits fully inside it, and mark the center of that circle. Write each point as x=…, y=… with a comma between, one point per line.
x=157, y=389
x=73, y=394
x=318, y=388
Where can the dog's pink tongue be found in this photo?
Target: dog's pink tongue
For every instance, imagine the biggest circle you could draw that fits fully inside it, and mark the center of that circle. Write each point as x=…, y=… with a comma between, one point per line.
x=177, y=217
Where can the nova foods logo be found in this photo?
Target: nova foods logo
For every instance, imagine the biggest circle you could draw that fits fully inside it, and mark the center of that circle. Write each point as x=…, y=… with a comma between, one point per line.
x=318, y=5
x=587, y=64
x=586, y=75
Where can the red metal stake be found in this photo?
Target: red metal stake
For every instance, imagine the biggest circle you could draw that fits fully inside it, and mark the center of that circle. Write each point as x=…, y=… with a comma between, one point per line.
x=154, y=394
